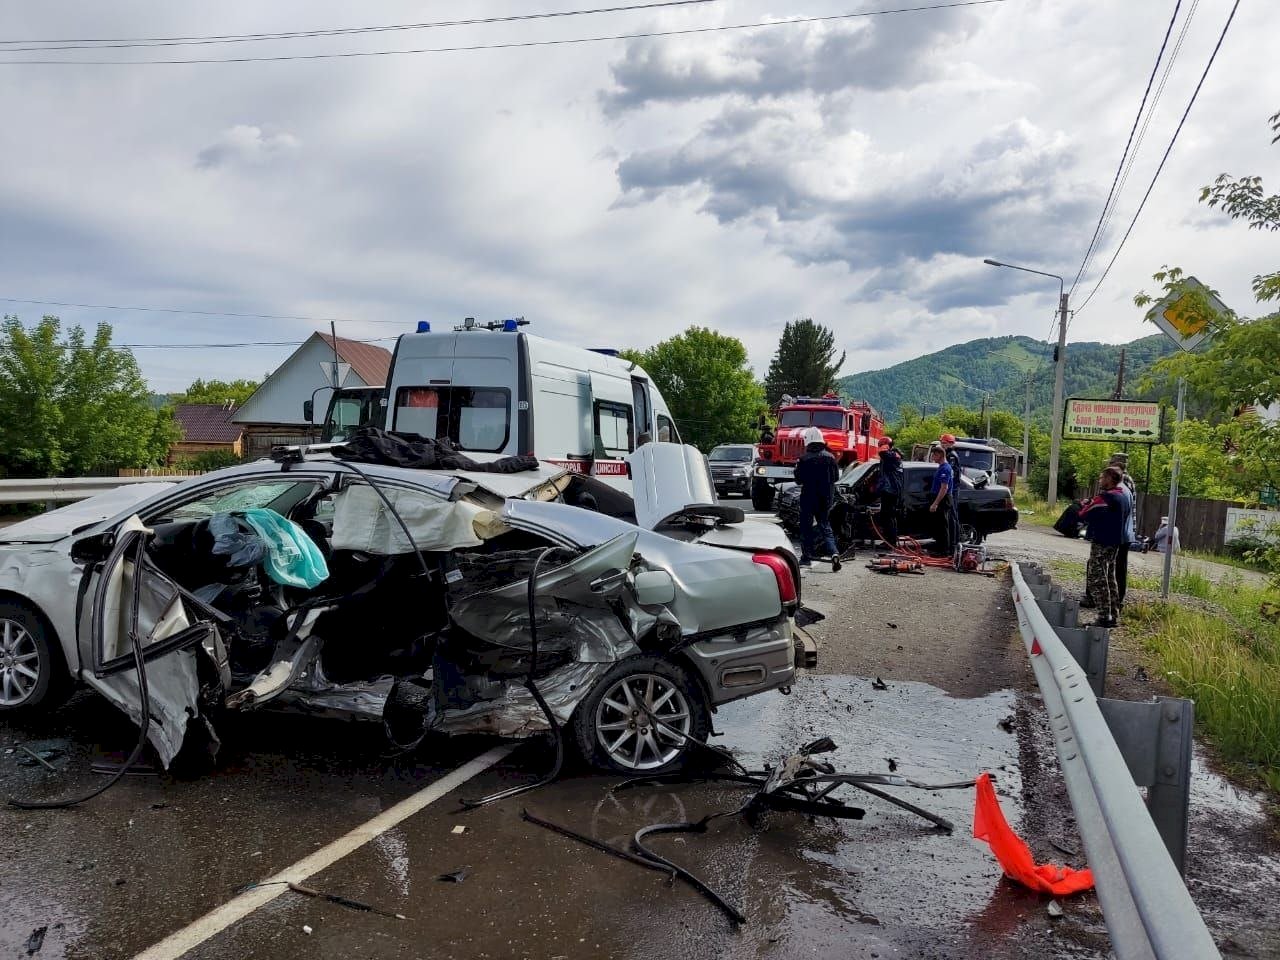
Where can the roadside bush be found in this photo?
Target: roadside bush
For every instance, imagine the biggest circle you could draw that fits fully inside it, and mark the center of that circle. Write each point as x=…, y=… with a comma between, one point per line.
x=209, y=460
x=1225, y=654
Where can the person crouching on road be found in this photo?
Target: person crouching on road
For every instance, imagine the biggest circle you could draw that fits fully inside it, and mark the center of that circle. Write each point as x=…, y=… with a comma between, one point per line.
x=890, y=484
x=940, y=506
x=1107, y=515
x=817, y=472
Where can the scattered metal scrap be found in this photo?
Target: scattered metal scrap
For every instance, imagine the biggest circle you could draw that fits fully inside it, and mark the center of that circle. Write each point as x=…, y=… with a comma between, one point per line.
x=799, y=783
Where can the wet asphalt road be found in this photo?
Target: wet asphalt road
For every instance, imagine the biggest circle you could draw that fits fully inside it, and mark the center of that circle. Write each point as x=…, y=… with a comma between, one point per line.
x=112, y=878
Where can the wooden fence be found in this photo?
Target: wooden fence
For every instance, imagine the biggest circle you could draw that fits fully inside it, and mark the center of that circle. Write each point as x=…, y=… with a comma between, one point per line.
x=1201, y=523
x=158, y=472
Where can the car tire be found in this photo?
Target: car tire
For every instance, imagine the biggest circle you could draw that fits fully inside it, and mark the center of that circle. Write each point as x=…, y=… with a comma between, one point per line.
x=28, y=645
x=609, y=739
x=762, y=495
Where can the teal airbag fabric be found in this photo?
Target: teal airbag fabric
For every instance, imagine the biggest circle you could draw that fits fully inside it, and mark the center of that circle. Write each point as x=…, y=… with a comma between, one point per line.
x=292, y=558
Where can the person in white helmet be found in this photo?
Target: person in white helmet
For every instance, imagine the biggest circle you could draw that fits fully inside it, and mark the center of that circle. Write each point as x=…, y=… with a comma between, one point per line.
x=817, y=473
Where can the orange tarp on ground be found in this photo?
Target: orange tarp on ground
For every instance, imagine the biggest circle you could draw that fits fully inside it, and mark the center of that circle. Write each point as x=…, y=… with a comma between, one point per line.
x=990, y=826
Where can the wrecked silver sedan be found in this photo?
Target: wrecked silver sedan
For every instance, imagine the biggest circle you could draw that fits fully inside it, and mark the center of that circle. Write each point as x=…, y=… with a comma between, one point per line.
x=430, y=600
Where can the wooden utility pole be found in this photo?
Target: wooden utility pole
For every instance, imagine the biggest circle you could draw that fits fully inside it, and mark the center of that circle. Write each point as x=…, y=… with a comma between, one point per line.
x=1026, y=430
x=1119, y=391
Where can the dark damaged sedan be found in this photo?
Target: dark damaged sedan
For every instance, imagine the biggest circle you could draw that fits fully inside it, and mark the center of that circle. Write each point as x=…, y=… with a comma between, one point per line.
x=984, y=510
x=408, y=596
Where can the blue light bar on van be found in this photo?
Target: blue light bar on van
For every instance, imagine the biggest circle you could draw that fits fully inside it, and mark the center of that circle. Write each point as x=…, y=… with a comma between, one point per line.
x=607, y=351
x=424, y=326
x=510, y=325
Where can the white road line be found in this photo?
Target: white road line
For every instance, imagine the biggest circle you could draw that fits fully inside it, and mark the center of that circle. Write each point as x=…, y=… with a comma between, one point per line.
x=219, y=918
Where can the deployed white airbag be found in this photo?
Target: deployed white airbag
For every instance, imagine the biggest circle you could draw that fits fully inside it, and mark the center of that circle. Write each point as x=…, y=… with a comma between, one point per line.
x=361, y=521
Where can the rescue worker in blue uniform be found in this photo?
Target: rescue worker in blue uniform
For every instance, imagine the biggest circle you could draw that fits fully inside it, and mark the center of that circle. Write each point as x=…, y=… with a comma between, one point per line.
x=817, y=473
x=942, y=491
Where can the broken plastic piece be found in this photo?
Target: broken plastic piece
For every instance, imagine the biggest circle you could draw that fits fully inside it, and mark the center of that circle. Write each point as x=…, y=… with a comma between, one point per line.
x=457, y=876
x=990, y=826
x=460, y=828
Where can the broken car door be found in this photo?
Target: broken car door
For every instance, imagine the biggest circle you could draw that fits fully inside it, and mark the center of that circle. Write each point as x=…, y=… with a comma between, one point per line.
x=136, y=612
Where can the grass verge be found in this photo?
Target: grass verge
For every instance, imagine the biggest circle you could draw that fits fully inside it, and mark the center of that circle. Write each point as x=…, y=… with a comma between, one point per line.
x=1219, y=644
x=1033, y=510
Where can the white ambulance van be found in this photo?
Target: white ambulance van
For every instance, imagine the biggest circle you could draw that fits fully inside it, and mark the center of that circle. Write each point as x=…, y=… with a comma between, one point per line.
x=497, y=389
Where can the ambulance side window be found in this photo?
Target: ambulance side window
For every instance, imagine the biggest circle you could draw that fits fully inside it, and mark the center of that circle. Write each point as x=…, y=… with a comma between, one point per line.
x=614, y=435
x=667, y=432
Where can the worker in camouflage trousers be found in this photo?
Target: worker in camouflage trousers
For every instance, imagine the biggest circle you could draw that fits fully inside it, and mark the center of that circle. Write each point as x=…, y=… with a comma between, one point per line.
x=1107, y=515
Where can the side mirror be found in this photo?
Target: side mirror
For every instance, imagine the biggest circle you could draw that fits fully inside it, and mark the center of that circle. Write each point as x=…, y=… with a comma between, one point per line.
x=89, y=550
x=653, y=588
x=308, y=411
x=982, y=481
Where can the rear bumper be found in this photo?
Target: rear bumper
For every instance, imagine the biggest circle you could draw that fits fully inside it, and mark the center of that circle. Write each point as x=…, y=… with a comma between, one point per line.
x=733, y=666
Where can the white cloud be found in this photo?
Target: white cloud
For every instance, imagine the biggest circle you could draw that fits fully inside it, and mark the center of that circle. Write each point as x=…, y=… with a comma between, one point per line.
x=855, y=174
x=246, y=144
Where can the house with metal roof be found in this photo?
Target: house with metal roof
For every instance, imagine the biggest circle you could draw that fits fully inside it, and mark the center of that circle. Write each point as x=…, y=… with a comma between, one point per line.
x=206, y=427
x=273, y=413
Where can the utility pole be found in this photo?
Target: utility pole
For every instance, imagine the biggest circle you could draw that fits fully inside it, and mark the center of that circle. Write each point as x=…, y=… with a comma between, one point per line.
x=1059, y=363
x=1059, y=370
x=986, y=414
x=1026, y=431
x=1119, y=392
x=1167, y=573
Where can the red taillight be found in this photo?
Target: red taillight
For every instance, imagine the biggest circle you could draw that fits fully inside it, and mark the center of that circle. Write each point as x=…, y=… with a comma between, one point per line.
x=781, y=572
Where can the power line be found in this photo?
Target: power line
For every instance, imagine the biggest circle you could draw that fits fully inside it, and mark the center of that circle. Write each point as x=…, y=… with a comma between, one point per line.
x=1168, y=150
x=522, y=44
x=202, y=313
x=1120, y=166
x=1142, y=133
x=129, y=42
x=220, y=346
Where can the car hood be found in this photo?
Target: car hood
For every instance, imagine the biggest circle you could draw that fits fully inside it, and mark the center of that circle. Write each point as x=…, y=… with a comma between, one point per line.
x=667, y=479
x=60, y=523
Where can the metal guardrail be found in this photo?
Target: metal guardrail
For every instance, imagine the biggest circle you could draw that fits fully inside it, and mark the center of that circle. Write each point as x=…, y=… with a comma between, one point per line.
x=65, y=489
x=1146, y=906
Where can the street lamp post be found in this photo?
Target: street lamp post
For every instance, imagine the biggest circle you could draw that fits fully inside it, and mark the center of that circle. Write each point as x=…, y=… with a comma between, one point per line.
x=1059, y=367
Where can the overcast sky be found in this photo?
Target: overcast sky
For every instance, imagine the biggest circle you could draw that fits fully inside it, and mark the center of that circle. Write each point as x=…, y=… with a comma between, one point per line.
x=855, y=171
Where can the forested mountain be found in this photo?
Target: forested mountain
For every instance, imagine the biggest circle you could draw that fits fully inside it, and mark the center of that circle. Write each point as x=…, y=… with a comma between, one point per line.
x=1000, y=365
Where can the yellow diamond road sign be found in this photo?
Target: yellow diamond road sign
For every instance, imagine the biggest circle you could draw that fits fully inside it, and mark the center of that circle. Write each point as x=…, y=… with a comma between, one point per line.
x=1184, y=318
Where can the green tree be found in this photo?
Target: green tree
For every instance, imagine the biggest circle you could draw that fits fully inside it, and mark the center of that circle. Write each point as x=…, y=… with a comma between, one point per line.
x=216, y=391
x=704, y=377
x=73, y=405
x=804, y=365
x=1238, y=369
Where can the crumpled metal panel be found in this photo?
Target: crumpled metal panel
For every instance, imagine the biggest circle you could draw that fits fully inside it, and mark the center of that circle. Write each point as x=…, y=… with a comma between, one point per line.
x=515, y=713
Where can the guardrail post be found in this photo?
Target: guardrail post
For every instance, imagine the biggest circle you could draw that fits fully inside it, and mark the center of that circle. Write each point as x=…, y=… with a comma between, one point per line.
x=1155, y=739
x=1089, y=647
x=1058, y=610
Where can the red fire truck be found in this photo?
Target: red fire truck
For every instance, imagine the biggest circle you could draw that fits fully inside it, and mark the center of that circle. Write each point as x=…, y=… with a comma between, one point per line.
x=851, y=432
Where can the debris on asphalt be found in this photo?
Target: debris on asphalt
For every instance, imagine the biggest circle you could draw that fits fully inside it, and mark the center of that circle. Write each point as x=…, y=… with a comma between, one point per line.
x=41, y=756
x=1013, y=854
x=892, y=625
x=457, y=876
x=879, y=684
x=460, y=828
x=1006, y=724
x=306, y=929
x=342, y=901
x=798, y=783
x=1055, y=910
x=1064, y=848
x=36, y=941
x=893, y=764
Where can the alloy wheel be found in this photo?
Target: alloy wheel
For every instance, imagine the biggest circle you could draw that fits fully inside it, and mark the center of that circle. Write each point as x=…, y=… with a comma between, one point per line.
x=19, y=663
x=626, y=727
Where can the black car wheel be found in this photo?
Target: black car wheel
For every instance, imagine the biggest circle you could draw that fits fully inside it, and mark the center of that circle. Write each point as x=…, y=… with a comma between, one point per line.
x=762, y=494
x=615, y=725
